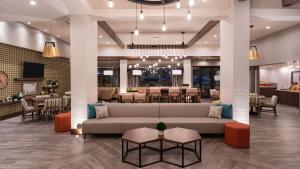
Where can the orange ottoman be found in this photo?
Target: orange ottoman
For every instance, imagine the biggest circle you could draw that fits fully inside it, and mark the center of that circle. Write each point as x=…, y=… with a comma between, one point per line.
x=63, y=122
x=237, y=135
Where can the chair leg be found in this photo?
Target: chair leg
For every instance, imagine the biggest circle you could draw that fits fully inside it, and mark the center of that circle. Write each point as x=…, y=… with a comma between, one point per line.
x=275, y=111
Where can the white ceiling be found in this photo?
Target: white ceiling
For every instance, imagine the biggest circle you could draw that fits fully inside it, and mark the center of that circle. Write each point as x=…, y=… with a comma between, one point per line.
x=52, y=15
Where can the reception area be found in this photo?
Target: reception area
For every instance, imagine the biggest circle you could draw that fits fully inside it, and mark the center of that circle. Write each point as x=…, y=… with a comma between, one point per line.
x=149, y=84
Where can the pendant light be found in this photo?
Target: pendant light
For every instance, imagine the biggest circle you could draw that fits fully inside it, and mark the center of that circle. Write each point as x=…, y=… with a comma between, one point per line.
x=50, y=49
x=164, y=27
x=178, y=5
x=136, y=31
x=110, y=4
x=189, y=16
x=142, y=17
x=253, y=53
x=191, y=2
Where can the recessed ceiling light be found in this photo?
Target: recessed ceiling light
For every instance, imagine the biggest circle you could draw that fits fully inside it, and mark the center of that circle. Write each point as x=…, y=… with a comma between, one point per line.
x=100, y=36
x=45, y=30
x=107, y=42
x=177, y=42
x=58, y=36
x=268, y=27
x=205, y=42
x=215, y=36
x=32, y=3
x=28, y=23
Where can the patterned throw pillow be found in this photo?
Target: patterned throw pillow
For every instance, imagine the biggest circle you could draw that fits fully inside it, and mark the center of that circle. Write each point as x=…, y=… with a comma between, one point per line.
x=101, y=112
x=215, y=112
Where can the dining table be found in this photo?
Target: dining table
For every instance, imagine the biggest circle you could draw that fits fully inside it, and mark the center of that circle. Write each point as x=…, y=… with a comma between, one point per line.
x=37, y=101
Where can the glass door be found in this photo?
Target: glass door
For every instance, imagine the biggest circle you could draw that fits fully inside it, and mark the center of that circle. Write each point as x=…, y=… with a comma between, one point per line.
x=206, y=78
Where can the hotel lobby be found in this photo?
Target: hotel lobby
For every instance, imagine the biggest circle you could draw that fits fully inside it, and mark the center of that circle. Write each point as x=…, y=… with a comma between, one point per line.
x=122, y=84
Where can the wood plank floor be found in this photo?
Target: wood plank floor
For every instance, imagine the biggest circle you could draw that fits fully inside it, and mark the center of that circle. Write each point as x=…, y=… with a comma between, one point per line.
x=275, y=143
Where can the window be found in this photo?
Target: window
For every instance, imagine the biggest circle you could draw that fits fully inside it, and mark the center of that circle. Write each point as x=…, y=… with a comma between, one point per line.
x=206, y=78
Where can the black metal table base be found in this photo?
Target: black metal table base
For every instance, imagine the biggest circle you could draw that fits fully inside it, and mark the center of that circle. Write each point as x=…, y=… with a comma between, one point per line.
x=161, y=150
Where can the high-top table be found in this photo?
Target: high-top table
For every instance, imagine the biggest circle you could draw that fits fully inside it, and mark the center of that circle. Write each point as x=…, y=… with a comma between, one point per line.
x=179, y=136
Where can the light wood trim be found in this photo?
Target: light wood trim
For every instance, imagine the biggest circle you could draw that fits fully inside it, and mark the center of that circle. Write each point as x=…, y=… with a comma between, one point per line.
x=209, y=26
x=111, y=33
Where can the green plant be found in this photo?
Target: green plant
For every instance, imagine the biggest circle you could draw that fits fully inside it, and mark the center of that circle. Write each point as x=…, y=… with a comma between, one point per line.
x=161, y=126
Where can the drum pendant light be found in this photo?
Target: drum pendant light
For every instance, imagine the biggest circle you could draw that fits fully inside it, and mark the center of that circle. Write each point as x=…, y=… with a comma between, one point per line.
x=50, y=50
x=253, y=54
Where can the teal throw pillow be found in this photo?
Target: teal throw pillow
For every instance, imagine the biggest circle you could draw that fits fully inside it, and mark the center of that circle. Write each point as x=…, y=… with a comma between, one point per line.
x=227, y=111
x=92, y=110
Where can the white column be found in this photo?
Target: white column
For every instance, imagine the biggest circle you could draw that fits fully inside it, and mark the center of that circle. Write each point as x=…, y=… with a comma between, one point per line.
x=187, y=72
x=234, y=41
x=83, y=36
x=123, y=76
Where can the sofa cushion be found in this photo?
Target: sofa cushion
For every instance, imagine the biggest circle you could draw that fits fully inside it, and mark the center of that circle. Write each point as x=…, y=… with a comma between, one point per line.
x=203, y=125
x=117, y=125
x=215, y=112
x=133, y=110
x=227, y=110
x=101, y=112
x=184, y=110
x=91, y=112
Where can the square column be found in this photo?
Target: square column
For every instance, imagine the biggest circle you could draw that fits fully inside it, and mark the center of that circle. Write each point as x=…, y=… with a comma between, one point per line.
x=83, y=36
x=234, y=75
x=123, y=76
x=187, y=72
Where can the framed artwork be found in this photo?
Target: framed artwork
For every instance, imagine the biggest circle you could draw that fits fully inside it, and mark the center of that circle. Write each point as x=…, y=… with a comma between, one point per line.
x=30, y=88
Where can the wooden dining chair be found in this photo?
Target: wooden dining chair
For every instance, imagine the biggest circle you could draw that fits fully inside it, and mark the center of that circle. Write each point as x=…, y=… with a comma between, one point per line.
x=174, y=94
x=28, y=111
x=154, y=93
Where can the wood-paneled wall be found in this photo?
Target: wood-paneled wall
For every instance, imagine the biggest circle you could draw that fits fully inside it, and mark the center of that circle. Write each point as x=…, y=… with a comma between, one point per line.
x=11, y=62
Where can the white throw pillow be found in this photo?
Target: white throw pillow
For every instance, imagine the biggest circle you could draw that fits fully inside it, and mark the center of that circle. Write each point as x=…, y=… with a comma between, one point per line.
x=215, y=112
x=101, y=111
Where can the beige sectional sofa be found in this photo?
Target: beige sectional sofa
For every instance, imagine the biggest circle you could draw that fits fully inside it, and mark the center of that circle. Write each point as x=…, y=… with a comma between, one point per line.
x=128, y=116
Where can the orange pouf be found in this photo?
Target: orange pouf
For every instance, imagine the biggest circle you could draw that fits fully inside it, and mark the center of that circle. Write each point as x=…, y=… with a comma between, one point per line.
x=237, y=135
x=63, y=122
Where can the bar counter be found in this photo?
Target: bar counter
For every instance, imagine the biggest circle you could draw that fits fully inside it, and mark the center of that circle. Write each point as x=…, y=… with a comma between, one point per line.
x=288, y=97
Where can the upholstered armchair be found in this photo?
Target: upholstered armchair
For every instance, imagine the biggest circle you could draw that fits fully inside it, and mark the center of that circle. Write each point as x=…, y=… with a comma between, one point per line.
x=139, y=98
x=214, y=95
x=127, y=98
x=270, y=106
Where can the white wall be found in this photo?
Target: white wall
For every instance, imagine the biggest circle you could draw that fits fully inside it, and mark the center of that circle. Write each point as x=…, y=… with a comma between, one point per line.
x=280, y=74
x=279, y=47
x=18, y=34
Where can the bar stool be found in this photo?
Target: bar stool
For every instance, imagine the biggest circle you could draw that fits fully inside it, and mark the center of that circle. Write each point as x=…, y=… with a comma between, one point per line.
x=174, y=93
x=155, y=93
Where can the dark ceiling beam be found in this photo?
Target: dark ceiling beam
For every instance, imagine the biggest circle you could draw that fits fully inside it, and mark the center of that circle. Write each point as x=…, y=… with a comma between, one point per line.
x=111, y=33
x=287, y=3
x=209, y=26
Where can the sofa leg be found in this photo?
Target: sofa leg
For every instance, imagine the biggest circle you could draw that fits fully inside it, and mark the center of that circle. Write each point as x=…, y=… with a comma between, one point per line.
x=84, y=136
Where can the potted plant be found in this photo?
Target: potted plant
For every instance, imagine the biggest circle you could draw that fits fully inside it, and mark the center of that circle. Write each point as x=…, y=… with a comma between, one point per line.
x=161, y=127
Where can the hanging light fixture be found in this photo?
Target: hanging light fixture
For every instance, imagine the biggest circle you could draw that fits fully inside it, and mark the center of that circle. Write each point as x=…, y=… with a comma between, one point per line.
x=253, y=53
x=136, y=31
x=50, y=50
x=110, y=4
x=178, y=5
x=189, y=15
x=191, y=2
x=142, y=17
x=164, y=27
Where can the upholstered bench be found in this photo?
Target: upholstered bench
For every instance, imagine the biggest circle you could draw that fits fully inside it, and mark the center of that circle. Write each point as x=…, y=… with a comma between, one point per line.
x=237, y=135
x=63, y=122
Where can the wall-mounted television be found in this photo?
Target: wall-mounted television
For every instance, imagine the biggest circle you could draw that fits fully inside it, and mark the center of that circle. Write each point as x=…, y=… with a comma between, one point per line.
x=176, y=72
x=108, y=72
x=136, y=72
x=33, y=70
